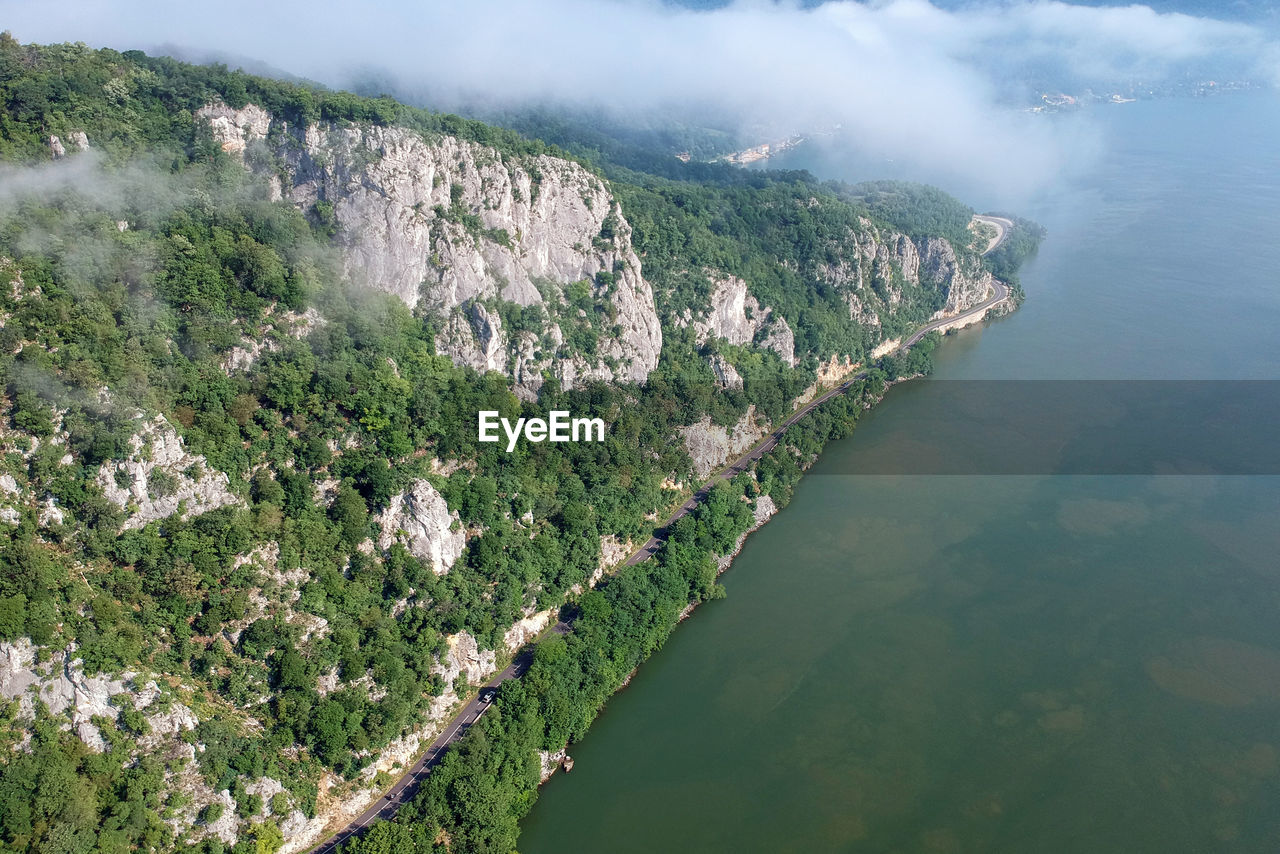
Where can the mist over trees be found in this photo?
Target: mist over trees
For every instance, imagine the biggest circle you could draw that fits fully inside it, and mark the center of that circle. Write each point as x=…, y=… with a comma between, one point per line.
x=142, y=265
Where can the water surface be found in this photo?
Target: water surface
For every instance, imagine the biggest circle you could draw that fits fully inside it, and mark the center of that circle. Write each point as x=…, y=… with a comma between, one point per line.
x=1000, y=663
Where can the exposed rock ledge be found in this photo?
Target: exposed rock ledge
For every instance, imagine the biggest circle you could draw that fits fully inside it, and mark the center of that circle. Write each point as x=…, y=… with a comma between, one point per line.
x=551, y=762
x=422, y=521
x=737, y=317
x=159, y=478
x=527, y=629
x=64, y=688
x=710, y=445
x=452, y=225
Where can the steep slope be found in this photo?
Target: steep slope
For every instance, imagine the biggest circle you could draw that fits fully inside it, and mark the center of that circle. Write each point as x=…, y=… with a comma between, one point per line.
x=464, y=232
x=256, y=553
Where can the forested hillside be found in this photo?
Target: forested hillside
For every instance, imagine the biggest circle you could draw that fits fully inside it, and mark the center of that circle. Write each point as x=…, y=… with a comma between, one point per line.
x=254, y=553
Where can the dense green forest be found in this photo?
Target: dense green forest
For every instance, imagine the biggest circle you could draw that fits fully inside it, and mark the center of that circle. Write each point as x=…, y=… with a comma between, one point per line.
x=1022, y=243
x=139, y=266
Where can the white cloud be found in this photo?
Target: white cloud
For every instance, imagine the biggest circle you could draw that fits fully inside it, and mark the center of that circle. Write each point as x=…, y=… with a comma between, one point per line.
x=905, y=78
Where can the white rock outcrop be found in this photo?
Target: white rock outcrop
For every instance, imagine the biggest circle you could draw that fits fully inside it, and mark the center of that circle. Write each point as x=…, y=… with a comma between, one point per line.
x=727, y=376
x=966, y=281
x=166, y=724
x=422, y=521
x=465, y=658
x=450, y=225
x=160, y=477
x=235, y=129
x=50, y=513
x=550, y=762
x=227, y=825
x=711, y=445
x=527, y=629
x=883, y=262
x=737, y=317
x=9, y=513
x=61, y=684
x=17, y=673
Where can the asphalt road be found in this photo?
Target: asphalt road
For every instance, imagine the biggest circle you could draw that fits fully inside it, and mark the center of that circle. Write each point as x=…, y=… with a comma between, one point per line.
x=407, y=786
x=1002, y=225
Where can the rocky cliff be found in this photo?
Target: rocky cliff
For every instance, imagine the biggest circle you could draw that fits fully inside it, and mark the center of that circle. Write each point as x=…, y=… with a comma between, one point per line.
x=735, y=316
x=160, y=478
x=875, y=264
x=231, y=572
x=466, y=234
x=711, y=445
x=877, y=272
x=422, y=521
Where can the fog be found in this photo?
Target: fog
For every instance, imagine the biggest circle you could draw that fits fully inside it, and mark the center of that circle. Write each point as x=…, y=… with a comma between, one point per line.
x=942, y=88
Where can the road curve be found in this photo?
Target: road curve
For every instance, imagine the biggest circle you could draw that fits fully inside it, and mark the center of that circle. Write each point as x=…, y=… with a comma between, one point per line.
x=407, y=786
x=1003, y=225
x=999, y=293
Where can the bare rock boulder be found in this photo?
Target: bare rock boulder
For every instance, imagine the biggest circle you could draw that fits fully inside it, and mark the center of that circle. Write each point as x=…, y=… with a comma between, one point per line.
x=422, y=521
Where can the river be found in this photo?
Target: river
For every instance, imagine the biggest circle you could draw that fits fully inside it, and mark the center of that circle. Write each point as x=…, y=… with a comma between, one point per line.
x=1034, y=662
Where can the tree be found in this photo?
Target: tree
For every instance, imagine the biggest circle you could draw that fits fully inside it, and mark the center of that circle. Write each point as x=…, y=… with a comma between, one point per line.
x=267, y=837
x=13, y=616
x=348, y=511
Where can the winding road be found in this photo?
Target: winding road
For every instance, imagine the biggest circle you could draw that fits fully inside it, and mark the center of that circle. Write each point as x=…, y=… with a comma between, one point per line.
x=407, y=786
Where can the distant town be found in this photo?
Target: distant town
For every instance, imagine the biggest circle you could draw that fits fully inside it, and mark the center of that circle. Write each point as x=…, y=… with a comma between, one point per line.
x=1051, y=102
x=1048, y=102
x=756, y=152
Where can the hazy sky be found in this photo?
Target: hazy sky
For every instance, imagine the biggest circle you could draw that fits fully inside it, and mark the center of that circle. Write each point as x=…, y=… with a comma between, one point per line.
x=906, y=78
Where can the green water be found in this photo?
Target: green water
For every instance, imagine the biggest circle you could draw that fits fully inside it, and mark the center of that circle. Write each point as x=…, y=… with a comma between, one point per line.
x=1000, y=663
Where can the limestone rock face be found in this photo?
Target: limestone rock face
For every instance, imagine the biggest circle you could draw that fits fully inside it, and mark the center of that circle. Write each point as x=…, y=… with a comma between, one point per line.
x=966, y=281
x=764, y=510
x=235, y=129
x=50, y=513
x=225, y=828
x=455, y=228
x=10, y=515
x=737, y=317
x=474, y=337
x=176, y=719
x=79, y=140
x=16, y=671
x=727, y=375
x=550, y=762
x=56, y=149
x=710, y=445
x=527, y=629
x=873, y=275
x=61, y=684
x=160, y=477
x=422, y=521
x=465, y=657
x=779, y=338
